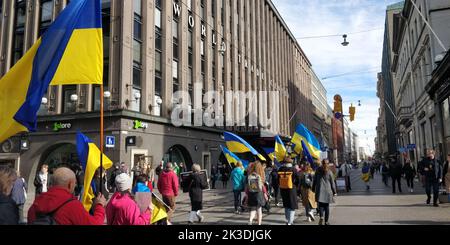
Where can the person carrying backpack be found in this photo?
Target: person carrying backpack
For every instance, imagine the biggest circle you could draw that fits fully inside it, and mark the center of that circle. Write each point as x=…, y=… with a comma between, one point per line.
x=308, y=196
x=289, y=180
x=254, y=192
x=60, y=206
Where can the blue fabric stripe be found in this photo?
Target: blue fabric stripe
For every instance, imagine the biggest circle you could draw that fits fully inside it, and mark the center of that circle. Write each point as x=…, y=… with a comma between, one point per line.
x=78, y=14
x=83, y=149
x=232, y=137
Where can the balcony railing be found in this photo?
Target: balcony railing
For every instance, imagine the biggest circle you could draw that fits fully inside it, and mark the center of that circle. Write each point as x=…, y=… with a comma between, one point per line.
x=405, y=115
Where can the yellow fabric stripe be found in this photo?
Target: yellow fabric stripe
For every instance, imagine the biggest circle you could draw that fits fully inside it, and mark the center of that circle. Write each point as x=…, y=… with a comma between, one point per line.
x=297, y=140
x=237, y=147
x=93, y=163
x=82, y=62
x=13, y=91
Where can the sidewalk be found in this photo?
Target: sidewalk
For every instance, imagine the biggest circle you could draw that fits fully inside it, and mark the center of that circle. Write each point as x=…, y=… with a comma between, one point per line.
x=379, y=206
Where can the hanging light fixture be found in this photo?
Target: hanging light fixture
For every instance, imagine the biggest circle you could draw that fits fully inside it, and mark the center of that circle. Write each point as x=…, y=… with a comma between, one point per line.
x=345, y=43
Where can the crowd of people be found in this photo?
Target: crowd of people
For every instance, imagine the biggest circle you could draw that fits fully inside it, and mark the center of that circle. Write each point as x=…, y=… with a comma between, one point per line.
x=430, y=171
x=261, y=183
x=254, y=189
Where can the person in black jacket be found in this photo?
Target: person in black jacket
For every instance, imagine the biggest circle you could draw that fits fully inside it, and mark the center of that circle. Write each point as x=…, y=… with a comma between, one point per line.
x=9, y=211
x=274, y=182
x=396, y=174
x=433, y=176
x=196, y=187
x=410, y=173
x=42, y=180
x=289, y=191
x=446, y=174
x=385, y=173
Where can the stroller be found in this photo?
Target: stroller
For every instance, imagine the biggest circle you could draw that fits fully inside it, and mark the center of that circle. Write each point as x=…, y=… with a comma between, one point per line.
x=266, y=207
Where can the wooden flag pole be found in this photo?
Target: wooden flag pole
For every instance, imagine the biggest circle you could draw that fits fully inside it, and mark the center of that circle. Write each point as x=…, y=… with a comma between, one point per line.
x=101, y=136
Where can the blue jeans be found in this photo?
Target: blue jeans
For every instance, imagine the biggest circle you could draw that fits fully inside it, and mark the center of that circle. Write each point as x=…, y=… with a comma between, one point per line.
x=290, y=215
x=428, y=185
x=237, y=199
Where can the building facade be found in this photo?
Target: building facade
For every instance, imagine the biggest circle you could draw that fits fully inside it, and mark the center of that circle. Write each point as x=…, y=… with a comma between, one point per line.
x=154, y=48
x=415, y=48
x=382, y=138
x=321, y=126
x=439, y=90
x=385, y=89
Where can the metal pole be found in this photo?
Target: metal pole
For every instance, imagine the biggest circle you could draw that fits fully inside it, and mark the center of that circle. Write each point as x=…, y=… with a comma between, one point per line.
x=429, y=26
x=390, y=109
x=101, y=137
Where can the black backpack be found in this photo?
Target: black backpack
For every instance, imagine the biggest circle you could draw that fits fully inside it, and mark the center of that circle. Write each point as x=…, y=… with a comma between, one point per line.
x=48, y=219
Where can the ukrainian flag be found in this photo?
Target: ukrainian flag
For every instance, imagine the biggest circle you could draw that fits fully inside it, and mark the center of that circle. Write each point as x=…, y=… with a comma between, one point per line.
x=307, y=154
x=231, y=157
x=309, y=141
x=89, y=156
x=238, y=145
x=159, y=211
x=280, y=149
x=70, y=52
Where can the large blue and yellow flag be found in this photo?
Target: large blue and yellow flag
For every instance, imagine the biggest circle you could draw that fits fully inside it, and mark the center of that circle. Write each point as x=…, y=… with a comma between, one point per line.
x=89, y=156
x=238, y=145
x=280, y=149
x=307, y=154
x=309, y=140
x=69, y=52
x=232, y=158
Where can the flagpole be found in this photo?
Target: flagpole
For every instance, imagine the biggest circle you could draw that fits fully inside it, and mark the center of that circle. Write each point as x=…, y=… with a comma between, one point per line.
x=101, y=136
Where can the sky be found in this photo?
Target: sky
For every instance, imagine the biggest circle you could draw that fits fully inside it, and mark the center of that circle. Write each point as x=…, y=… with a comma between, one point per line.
x=361, y=60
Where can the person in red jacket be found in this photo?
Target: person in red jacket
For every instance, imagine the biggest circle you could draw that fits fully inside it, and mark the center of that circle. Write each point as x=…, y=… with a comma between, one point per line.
x=168, y=187
x=69, y=211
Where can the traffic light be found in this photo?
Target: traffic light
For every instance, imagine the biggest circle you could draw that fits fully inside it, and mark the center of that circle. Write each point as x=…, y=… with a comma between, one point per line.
x=352, y=113
x=338, y=104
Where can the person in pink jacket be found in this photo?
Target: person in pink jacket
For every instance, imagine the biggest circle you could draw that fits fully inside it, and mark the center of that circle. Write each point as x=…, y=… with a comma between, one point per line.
x=168, y=187
x=122, y=209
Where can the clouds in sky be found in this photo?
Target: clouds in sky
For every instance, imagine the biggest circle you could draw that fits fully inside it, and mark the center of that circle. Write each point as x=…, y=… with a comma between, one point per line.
x=362, y=58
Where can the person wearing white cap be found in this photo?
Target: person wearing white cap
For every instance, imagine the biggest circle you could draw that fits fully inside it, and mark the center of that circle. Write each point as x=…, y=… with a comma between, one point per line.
x=122, y=209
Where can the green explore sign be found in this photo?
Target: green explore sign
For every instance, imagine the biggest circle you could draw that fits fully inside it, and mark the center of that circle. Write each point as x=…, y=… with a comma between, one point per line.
x=58, y=126
x=138, y=124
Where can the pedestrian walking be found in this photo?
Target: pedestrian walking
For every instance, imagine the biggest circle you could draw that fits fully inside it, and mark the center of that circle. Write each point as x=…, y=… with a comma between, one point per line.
x=19, y=195
x=275, y=185
x=122, y=209
x=62, y=206
x=9, y=211
x=446, y=174
x=289, y=182
x=308, y=196
x=254, y=192
x=366, y=175
x=42, y=180
x=196, y=186
x=396, y=174
x=325, y=189
x=214, y=176
x=410, y=173
x=433, y=176
x=238, y=180
x=346, y=169
x=385, y=173
x=225, y=175
x=168, y=187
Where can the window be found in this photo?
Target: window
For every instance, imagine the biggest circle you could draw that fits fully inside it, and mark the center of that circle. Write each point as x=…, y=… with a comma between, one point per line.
x=203, y=9
x=158, y=54
x=19, y=30
x=106, y=20
x=46, y=16
x=445, y=106
x=137, y=56
x=69, y=106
